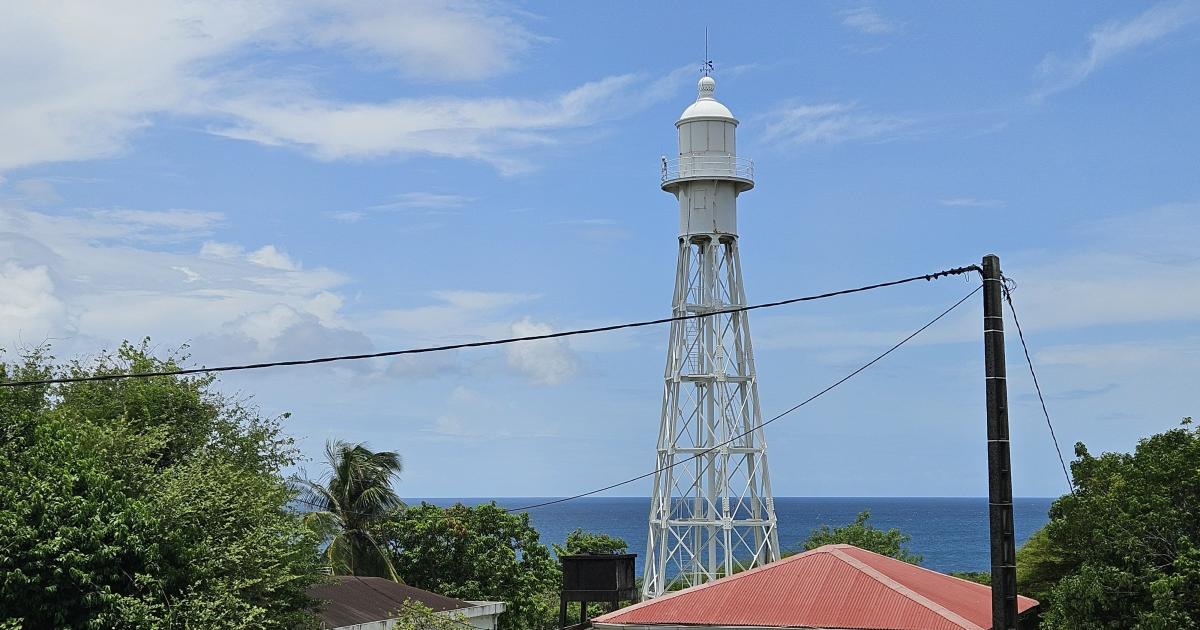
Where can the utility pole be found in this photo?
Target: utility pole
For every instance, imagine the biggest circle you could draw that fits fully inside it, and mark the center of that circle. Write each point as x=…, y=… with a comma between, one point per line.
x=1000, y=503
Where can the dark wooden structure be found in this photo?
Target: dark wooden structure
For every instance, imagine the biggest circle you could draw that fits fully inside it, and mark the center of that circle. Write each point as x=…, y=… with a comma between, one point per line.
x=1000, y=501
x=600, y=577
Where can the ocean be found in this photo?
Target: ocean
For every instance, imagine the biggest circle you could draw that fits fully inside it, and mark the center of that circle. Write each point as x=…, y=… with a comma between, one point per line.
x=951, y=533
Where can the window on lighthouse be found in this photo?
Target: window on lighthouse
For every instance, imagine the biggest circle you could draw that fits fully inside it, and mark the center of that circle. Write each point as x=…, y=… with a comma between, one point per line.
x=716, y=136
x=699, y=136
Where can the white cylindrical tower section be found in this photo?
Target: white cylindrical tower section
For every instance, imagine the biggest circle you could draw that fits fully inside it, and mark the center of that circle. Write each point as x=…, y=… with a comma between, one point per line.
x=708, y=175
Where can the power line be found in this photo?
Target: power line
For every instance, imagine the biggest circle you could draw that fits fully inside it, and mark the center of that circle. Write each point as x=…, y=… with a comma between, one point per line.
x=480, y=344
x=755, y=428
x=1038, y=387
x=694, y=456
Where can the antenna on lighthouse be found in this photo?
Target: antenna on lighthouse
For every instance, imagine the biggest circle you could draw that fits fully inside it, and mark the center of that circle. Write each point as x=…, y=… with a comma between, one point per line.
x=707, y=66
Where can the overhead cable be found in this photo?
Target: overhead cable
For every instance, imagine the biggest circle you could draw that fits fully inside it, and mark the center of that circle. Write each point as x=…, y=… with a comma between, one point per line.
x=1038, y=387
x=759, y=426
x=827, y=389
x=480, y=344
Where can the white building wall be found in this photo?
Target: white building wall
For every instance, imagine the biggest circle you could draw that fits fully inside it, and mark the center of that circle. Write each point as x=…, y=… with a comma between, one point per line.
x=481, y=616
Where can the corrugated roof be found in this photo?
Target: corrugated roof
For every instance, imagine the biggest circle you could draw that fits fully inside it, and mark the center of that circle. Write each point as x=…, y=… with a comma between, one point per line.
x=350, y=599
x=835, y=586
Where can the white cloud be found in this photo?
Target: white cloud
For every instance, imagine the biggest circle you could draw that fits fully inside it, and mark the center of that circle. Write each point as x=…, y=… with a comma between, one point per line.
x=161, y=225
x=1127, y=354
x=425, y=39
x=546, y=362
x=78, y=274
x=1112, y=39
x=424, y=201
x=420, y=366
x=349, y=216
x=427, y=204
x=1166, y=234
x=972, y=202
x=459, y=316
x=829, y=124
x=282, y=332
x=463, y=394
x=37, y=191
x=451, y=426
x=1135, y=268
x=494, y=130
x=214, y=249
x=483, y=300
x=272, y=258
x=82, y=79
x=30, y=311
x=188, y=274
x=868, y=20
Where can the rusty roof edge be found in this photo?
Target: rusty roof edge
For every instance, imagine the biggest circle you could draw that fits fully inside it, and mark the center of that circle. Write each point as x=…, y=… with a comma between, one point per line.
x=949, y=615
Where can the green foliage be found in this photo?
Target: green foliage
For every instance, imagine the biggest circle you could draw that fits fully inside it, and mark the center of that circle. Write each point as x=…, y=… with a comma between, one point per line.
x=978, y=577
x=349, y=505
x=417, y=616
x=479, y=553
x=863, y=535
x=148, y=503
x=581, y=542
x=1040, y=565
x=1128, y=541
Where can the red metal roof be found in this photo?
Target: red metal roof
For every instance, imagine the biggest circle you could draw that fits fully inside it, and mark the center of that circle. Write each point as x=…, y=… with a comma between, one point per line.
x=835, y=586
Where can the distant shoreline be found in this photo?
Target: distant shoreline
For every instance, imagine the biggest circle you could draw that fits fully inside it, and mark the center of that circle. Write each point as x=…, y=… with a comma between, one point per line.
x=950, y=532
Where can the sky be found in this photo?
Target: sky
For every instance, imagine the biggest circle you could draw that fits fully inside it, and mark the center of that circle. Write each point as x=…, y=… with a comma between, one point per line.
x=264, y=180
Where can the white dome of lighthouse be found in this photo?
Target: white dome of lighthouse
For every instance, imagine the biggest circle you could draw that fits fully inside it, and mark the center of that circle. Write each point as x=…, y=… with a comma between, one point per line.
x=706, y=106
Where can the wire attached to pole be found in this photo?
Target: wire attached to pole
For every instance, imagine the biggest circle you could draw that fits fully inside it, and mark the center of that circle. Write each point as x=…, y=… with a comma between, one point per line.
x=1029, y=361
x=481, y=344
x=760, y=426
x=826, y=390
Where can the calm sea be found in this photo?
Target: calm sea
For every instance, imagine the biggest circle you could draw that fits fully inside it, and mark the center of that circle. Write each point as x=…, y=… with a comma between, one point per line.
x=952, y=533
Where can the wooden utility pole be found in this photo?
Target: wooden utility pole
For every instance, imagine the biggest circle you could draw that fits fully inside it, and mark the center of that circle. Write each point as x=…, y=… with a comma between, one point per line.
x=1000, y=503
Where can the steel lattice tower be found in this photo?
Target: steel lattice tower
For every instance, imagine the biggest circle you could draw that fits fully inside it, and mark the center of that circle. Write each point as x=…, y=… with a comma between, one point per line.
x=712, y=510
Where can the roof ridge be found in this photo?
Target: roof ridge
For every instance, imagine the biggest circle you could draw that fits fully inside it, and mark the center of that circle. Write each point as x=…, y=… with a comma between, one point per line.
x=385, y=595
x=925, y=569
x=907, y=592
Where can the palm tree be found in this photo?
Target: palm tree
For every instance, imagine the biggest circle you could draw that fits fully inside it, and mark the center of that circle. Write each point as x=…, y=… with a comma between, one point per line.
x=349, y=501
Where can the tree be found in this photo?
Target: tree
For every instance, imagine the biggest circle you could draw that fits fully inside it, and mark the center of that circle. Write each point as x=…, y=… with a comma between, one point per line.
x=150, y=503
x=353, y=498
x=1128, y=540
x=414, y=615
x=1041, y=563
x=477, y=553
x=580, y=542
x=978, y=577
x=863, y=535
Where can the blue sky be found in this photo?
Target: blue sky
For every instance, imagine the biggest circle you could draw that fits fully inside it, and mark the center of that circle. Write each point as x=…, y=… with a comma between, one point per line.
x=271, y=181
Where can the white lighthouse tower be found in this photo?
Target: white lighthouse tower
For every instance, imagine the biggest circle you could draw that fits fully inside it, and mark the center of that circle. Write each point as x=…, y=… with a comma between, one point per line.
x=712, y=511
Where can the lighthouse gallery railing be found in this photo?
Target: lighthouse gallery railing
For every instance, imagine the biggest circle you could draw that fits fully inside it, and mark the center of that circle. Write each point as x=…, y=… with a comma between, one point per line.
x=687, y=166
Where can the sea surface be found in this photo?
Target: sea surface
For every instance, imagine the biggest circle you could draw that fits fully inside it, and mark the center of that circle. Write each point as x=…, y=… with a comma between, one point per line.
x=951, y=533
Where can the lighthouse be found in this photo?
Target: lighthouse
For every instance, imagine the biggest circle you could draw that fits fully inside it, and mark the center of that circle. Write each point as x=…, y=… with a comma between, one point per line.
x=711, y=512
